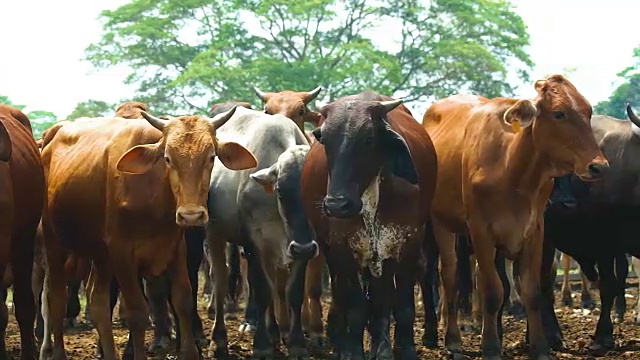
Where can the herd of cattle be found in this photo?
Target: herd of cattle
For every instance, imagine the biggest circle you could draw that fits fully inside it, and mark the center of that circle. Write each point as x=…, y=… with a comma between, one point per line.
x=471, y=205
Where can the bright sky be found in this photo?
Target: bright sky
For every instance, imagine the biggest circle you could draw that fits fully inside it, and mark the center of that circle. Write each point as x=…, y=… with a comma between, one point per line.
x=44, y=43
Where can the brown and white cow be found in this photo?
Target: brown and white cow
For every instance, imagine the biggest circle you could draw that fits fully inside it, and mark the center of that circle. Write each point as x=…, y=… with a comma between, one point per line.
x=496, y=160
x=121, y=192
x=21, y=199
x=367, y=187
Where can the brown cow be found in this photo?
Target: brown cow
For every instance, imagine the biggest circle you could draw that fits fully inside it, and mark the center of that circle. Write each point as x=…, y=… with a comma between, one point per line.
x=371, y=223
x=131, y=110
x=293, y=105
x=121, y=192
x=496, y=160
x=21, y=201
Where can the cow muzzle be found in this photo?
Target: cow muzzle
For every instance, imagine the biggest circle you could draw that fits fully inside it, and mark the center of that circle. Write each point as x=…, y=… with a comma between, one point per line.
x=596, y=169
x=192, y=216
x=298, y=251
x=341, y=207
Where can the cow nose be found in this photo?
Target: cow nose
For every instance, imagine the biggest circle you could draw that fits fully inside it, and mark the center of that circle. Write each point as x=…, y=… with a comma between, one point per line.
x=298, y=251
x=192, y=216
x=341, y=207
x=597, y=169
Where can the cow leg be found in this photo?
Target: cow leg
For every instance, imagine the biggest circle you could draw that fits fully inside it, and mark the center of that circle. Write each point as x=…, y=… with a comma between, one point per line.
x=4, y=318
x=217, y=258
x=608, y=290
x=515, y=304
x=73, y=303
x=194, y=238
x=464, y=282
x=404, y=306
x=235, y=280
x=295, y=291
x=211, y=307
x=158, y=290
x=251, y=310
x=622, y=271
x=586, y=297
x=262, y=285
x=567, y=300
x=476, y=299
x=99, y=285
x=530, y=262
x=380, y=307
x=53, y=300
x=547, y=284
x=336, y=319
x=181, y=299
x=447, y=246
x=22, y=266
x=207, y=288
x=636, y=268
x=114, y=293
x=37, y=283
x=428, y=288
x=281, y=306
x=312, y=305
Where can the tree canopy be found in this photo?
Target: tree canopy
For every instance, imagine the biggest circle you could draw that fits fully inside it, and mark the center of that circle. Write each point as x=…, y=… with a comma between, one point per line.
x=627, y=92
x=92, y=108
x=186, y=54
x=41, y=120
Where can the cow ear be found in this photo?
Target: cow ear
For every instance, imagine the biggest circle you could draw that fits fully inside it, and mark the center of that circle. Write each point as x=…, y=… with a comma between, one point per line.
x=235, y=156
x=5, y=143
x=266, y=177
x=140, y=159
x=520, y=115
x=398, y=157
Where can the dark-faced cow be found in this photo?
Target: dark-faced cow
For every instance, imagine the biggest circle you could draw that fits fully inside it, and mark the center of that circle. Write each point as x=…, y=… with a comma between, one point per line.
x=241, y=212
x=367, y=187
x=496, y=161
x=121, y=192
x=21, y=199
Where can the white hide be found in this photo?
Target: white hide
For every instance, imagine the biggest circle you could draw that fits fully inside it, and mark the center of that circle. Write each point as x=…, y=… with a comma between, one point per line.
x=384, y=240
x=635, y=130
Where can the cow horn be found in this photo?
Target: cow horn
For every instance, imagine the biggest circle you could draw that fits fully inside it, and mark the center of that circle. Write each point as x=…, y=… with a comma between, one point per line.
x=632, y=116
x=222, y=118
x=156, y=122
x=312, y=94
x=261, y=94
x=390, y=104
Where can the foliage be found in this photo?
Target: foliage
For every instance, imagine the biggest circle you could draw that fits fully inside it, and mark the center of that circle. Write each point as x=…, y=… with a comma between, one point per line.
x=40, y=119
x=627, y=92
x=185, y=54
x=92, y=108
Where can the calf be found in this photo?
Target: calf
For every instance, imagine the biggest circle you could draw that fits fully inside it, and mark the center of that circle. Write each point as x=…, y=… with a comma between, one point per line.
x=496, y=161
x=121, y=192
x=21, y=201
x=367, y=186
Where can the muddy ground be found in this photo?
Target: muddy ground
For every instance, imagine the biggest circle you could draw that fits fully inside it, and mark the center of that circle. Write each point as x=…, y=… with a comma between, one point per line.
x=577, y=324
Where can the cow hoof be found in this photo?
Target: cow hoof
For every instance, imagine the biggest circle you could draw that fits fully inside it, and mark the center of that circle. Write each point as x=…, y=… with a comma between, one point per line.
x=220, y=352
x=588, y=303
x=231, y=316
x=316, y=340
x=211, y=313
x=70, y=323
x=298, y=353
x=189, y=353
x=59, y=354
x=248, y=328
x=567, y=300
x=406, y=353
x=458, y=356
x=517, y=311
x=430, y=340
x=159, y=343
x=202, y=341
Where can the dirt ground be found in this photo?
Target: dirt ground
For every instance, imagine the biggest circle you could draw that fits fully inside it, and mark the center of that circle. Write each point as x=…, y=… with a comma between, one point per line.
x=578, y=326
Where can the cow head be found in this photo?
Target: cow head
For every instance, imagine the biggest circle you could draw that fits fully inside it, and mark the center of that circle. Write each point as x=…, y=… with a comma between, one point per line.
x=283, y=178
x=5, y=144
x=188, y=148
x=131, y=110
x=291, y=104
x=559, y=122
x=635, y=121
x=359, y=142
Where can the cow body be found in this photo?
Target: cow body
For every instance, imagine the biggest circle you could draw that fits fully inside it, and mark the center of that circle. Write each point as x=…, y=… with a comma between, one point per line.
x=242, y=213
x=390, y=165
x=21, y=199
x=494, y=178
x=121, y=193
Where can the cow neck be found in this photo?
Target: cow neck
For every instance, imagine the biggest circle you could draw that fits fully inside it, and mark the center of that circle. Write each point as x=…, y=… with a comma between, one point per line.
x=527, y=168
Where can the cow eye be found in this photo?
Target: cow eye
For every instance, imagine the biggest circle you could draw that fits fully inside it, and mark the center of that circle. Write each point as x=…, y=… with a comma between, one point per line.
x=212, y=158
x=301, y=112
x=167, y=160
x=559, y=115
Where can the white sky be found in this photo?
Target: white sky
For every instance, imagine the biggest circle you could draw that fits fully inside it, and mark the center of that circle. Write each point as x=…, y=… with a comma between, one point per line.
x=43, y=42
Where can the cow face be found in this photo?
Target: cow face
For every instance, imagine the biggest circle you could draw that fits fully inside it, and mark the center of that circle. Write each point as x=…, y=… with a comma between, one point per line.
x=559, y=118
x=358, y=143
x=291, y=104
x=189, y=148
x=131, y=110
x=283, y=178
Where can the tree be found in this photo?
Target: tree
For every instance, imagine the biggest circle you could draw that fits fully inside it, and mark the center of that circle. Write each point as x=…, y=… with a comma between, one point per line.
x=627, y=92
x=92, y=108
x=184, y=54
x=40, y=120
